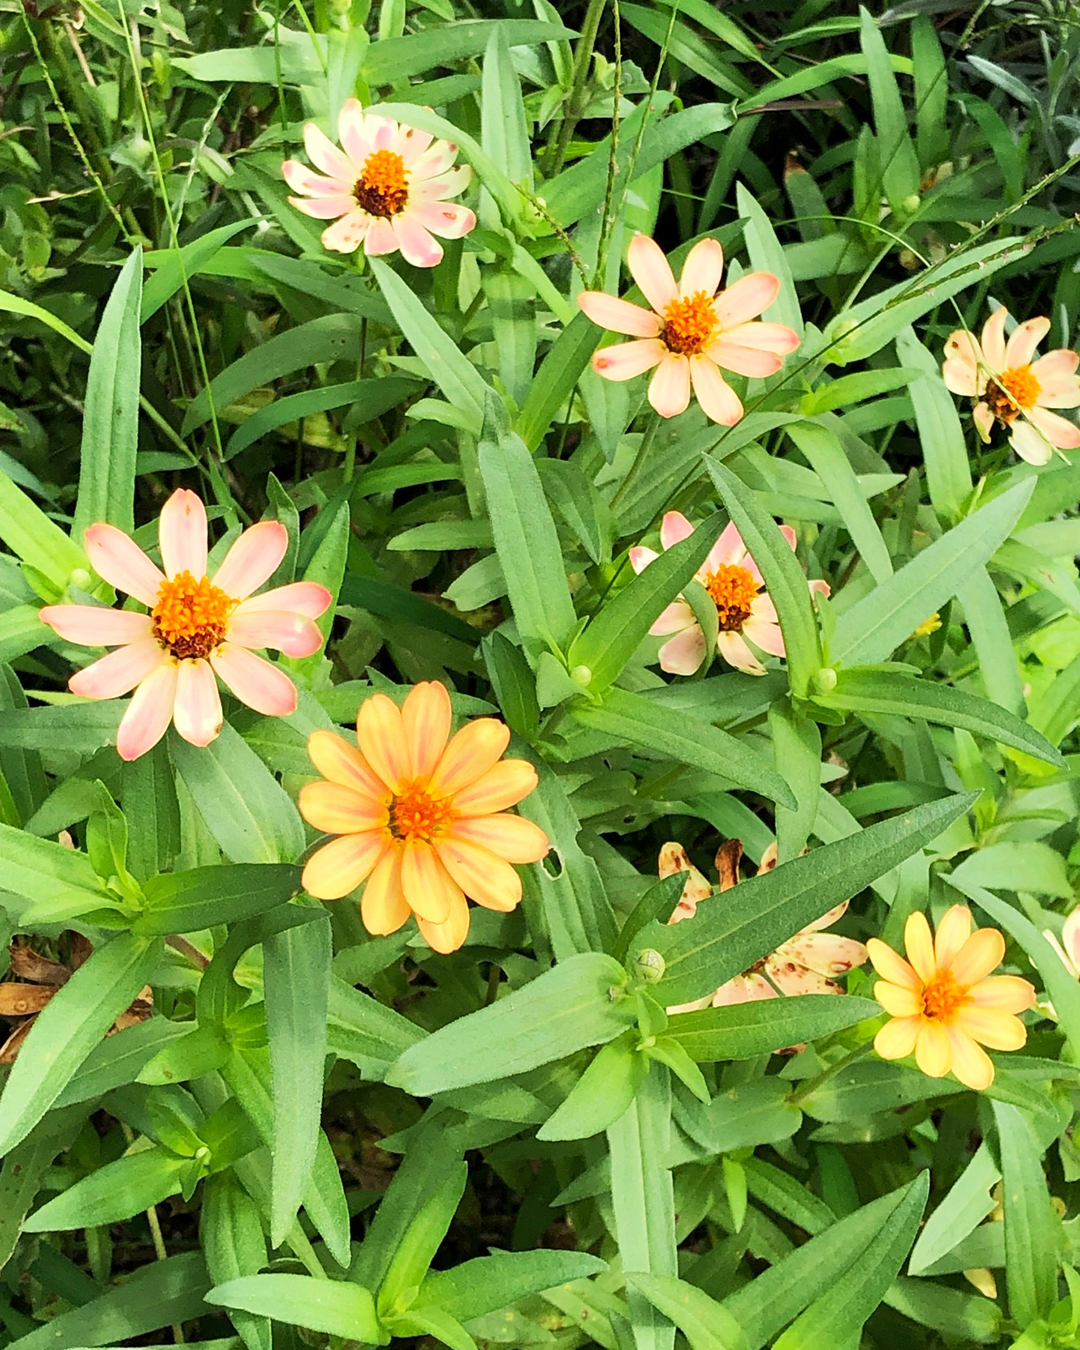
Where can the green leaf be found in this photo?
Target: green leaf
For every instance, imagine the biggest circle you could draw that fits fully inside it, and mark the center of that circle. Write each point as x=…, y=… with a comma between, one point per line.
x=657, y=903
x=69, y=1027
x=784, y=578
x=610, y=639
x=296, y=975
x=796, y=746
x=967, y=1203
x=706, y=1324
x=330, y=1306
x=431, y=1323
x=628, y=717
x=393, y=60
x=488, y=1283
x=1016, y=865
x=117, y=1191
x=576, y=1004
x=421, y=1241
x=171, y=266
x=1031, y=1226
x=722, y=939
x=745, y=1030
x=361, y=1029
x=185, y=902
x=366, y=400
x=941, y=435
x=767, y=255
x=31, y=535
x=600, y=1096
x=231, y=1235
x=35, y=867
x=900, y=171
x=566, y=361
x=876, y=625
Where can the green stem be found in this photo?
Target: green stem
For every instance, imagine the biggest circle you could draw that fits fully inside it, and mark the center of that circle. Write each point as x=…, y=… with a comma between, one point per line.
x=575, y=104
x=642, y=455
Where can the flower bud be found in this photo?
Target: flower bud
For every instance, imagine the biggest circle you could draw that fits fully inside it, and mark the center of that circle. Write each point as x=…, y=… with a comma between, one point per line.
x=649, y=965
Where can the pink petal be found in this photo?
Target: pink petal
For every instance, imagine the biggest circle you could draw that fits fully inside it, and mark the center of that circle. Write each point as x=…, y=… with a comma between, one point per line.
x=736, y=653
x=351, y=133
x=380, y=131
x=434, y=160
x=789, y=534
x=197, y=710
x=683, y=654
x=1070, y=936
x=827, y=920
x=118, y=558
x=380, y=239
x=825, y=953
x=256, y=682
x=95, y=626
x=120, y=671
x=742, y=360
x=993, y=340
x=777, y=338
x=293, y=634
x=1059, y=364
x=792, y=979
x=418, y=247
x=984, y=421
x=960, y=370
x=669, y=388
x=300, y=178
x=1058, y=431
x=674, y=528
x=298, y=597
x=619, y=316
x=719, y=402
x=442, y=186
x=1025, y=338
x=820, y=587
x=325, y=155
x=729, y=549
x=411, y=143
x=347, y=234
x=652, y=272
x=742, y=989
x=252, y=559
x=750, y=296
x=703, y=268
x=765, y=635
x=1061, y=392
x=182, y=534
x=763, y=608
x=149, y=713
x=325, y=208
x=446, y=219
x=674, y=619
x=641, y=557
x=960, y=380
x=627, y=359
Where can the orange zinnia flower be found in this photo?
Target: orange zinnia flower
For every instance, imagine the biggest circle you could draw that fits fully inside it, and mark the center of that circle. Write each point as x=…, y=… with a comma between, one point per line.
x=423, y=822
x=944, y=1008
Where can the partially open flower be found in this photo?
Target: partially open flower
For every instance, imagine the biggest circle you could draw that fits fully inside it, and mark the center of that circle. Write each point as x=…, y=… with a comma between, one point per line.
x=388, y=187
x=422, y=816
x=743, y=609
x=690, y=332
x=944, y=1009
x=198, y=627
x=1011, y=389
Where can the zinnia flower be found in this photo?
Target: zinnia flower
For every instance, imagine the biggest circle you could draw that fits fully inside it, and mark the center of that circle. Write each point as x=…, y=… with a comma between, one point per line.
x=1069, y=946
x=801, y=965
x=690, y=331
x=197, y=626
x=387, y=188
x=1004, y=383
x=422, y=821
x=943, y=1006
x=743, y=609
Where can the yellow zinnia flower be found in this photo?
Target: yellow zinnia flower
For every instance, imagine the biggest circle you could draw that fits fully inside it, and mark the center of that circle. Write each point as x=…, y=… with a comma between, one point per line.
x=421, y=820
x=944, y=1008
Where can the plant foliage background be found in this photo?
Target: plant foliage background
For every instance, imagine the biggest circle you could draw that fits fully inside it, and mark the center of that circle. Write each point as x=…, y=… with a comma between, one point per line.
x=318, y=1133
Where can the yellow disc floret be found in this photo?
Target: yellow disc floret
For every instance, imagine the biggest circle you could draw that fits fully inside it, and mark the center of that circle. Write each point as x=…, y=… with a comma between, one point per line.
x=190, y=616
x=732, y=589
x=689, y=324
x=416, y=814
x=383, y=188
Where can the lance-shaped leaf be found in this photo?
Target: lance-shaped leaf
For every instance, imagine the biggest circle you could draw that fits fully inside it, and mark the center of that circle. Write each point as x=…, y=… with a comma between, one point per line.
x=743, y=1030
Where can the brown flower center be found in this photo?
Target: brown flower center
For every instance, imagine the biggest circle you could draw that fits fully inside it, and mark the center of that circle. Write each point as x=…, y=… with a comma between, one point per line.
x=943, y=997
x=190, y=616
x=732, y=589
x=382, y=189
x=415, y=814
x=689, y=324
x=1013, y=390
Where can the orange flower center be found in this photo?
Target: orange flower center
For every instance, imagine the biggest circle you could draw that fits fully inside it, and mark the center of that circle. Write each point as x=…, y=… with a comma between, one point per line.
x=190, y=616
x=1013, y=389
x=732, y=590
x=382, y=189
x=689, y=324
x=416, y=814
x=943, y=997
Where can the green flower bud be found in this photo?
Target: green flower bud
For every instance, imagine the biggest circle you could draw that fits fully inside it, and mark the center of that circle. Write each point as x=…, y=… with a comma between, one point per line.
x=649, y=965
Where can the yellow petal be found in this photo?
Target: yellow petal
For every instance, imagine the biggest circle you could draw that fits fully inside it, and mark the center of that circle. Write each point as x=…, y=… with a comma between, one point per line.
x=970, y=1062
x=933, y=1049
x=383, y=906
x=471, y=753
x=340, y=866
x=983, y=950
x=447, y=937
x=426, y=717
x=342, y=763
x=897, y=1039
x=999, y=1030
x=1008, y=992
x=504, y=785
x=953, y=931
x=897, y=1001
x=426, y=883
x=890, y=966
x=381, y=737
x=339, y=810
x=482, y=875
x=512, y=838
x=919, y=946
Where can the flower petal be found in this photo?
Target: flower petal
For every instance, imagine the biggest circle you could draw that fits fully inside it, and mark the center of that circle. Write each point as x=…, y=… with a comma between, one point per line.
x=793, y=979
x=742, y=360
x=425, y=718
x=383, y=907
x=952, y=932
x=776, y=338
x=1025, y=338
x=411, y=143
x=960, y=369
x=999, y=1030
x=1029, y=442
x=933, y=1049
x=1009, y=993
x=340, y=810
x=674, y=528
x=298, y=597
x=433, y=160
x=825, y=953
x=684, y=653
x=471, y=753
x=980, y=954
x=729, y=548
x=481, y=874
x=418, y=246
x=750, y=296
x=292, y=634
x=325, y=155
x=512, y=838
x=505, y=785
x=719, y=402
x=340, y=866
x=1058, y=431
x=253, y=559
x=447, y=937
x=970, y=1062
x=732, y=647
x=1060, y=364
x=743, y=989
x=1070, y=936
x=118, y=558
x=627, y=359
x=984, y=421
x=347, y=234
x=641, y=557
x=767, y=636
x=669, y=388
x=342, y=763
x=197, y=713
x=672, y=619
x=382, y=742
x=429, y=888
x=380, y=238
x=896, y=1039
x=896, y=1001
x=993, y=340
x=619, y=316
x=96, y=626
x=440, y=187
x=301, y=179
x=120, y=671
x=919, y=946
x=149, y=713
x=325, y=208
x=703, y=268
x=351, y=133
x=256, y=682
x=445, y=219
x=891, y=966
x=652, y=272
x=1062, y=392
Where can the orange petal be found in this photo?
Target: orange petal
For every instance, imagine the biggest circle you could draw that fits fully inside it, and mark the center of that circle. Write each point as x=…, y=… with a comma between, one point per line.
x=919, y=946
x=512, y=838
x=952, y=932
x=383, y=906
x=425, y=716
x=1009, y=993
x=897, y=1001
x=447, y=937
x=382, y=742
x=983, y=950
x=340, y=810
x=999, y=1030
x=890, y=966
x=340, y=866
x=970, y=1062
x=426, y=883
x=896, y=1039
x=502, y=786
x=342, y=763
x=471, y=753
x=933, y=1049
x=482, y=875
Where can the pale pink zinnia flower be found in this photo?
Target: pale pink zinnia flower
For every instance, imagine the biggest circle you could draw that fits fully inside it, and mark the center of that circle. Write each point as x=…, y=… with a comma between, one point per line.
x=690, y=330
x=802, y=965
x=743, y=609
x=388, y=187
x=197, y=626
x=1004, y=382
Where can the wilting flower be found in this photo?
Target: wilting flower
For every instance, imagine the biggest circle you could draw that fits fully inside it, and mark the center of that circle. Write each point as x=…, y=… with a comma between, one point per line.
x=37, y=980
x=743, y=609
x=388, y=187
x=197, y=626
x=1004, y=383
x=690, y=331
x=421, y=820
x=802, y=965
x=943, y=1006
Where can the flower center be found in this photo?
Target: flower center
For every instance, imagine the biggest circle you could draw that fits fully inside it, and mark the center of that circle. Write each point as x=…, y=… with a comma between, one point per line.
x=689, y=324
x=1013, y=389
x=943, y=997
x=382, y=189
x=190, y=616
x=415, y=814
x=732, y=590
